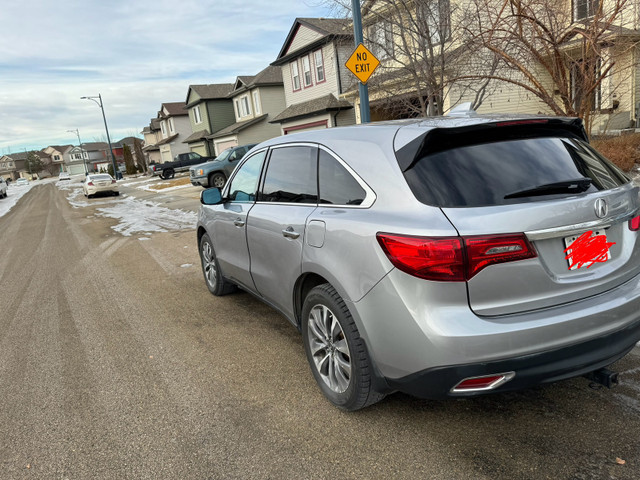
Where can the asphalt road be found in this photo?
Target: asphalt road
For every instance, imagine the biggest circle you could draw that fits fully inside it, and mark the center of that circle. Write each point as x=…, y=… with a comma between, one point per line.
x=116, y=362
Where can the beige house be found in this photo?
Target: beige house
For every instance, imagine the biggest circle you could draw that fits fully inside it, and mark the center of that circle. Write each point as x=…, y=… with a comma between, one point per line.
x=312, y=64
x=152, y=136
x=58, y=156
x=615, y=102
x=256, y=100
x=174, y=129
x=7, y=167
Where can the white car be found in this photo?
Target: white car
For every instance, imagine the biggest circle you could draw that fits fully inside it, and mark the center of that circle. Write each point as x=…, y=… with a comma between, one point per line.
x=22, y=181
x=64, y=176
x=99, y=183
x=3, y=187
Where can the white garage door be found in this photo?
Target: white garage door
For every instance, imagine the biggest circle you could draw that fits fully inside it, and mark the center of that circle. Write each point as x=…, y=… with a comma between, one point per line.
x=220, y=146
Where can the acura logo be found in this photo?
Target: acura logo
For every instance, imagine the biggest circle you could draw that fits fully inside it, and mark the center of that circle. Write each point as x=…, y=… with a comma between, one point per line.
x=601, y=208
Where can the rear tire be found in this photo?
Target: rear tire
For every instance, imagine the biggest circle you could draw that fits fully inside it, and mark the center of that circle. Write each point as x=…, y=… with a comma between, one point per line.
x=217, y=180
x=216, y=283
x=167, y=174
x=336, y=353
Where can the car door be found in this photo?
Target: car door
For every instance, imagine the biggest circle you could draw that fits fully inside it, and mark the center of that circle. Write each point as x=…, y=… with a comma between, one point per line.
x=228, y=227
x=276, y=223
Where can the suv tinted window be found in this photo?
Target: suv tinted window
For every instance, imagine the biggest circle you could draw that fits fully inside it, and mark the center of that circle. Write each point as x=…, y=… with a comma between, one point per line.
x=244, y=183
x=337, y=185
x=292, y=176
x=483, y=174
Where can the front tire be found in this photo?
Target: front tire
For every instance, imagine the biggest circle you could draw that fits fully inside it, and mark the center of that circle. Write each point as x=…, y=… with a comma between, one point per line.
x=217, y=180
x=336, y=353
x=216, y=283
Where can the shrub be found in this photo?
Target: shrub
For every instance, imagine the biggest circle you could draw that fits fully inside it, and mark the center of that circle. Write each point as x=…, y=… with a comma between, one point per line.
x=623, y=150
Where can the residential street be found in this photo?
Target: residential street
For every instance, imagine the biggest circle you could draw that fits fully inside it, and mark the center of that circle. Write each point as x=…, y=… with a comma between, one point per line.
x=117, y=363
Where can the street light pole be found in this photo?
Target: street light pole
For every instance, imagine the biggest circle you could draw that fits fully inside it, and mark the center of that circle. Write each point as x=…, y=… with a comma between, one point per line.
x=84, y=160
x=99, y=103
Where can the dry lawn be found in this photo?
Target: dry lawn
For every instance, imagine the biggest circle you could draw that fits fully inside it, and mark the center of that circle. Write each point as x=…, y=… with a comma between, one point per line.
x=623, y=150
x=171, y=183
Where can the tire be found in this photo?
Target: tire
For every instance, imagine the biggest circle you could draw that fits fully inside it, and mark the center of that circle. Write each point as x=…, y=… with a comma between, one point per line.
x=167, y=174
x=117, y=194
x=337, y=355
x=217, y=180
x=216, y=283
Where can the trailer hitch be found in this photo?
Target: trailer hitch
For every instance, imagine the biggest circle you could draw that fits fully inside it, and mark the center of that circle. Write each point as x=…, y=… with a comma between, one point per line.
x=603, y=376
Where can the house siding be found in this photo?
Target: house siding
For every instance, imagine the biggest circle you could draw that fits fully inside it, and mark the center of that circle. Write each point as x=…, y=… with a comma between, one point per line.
x=220, y=114
x=304, y=36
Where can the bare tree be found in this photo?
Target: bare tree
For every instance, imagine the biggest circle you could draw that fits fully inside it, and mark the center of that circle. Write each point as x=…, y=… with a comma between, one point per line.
x=141, y=160
x=567, y=54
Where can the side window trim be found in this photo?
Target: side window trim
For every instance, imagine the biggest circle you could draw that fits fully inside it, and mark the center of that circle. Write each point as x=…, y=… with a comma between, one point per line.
x=225, y=191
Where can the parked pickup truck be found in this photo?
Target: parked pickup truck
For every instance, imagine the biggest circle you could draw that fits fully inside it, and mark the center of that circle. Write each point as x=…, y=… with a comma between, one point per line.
x=181, y=163
x=214, y=173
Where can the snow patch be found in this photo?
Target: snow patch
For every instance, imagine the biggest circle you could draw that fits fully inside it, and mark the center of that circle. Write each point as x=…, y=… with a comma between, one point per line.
x=186, y=265
x=14, y=193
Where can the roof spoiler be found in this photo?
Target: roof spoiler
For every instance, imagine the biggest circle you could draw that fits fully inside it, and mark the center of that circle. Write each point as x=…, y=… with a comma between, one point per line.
x=439, y=139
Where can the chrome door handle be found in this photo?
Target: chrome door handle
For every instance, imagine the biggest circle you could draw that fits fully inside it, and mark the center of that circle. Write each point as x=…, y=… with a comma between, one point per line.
x=238, y=222
x=289, y=232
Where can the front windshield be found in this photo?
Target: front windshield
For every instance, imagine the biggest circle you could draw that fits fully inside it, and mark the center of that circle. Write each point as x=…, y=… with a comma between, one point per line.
x=224, y=154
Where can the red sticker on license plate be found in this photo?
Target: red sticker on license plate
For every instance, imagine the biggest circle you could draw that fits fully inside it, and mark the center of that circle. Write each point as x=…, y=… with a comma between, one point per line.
x=587, y=249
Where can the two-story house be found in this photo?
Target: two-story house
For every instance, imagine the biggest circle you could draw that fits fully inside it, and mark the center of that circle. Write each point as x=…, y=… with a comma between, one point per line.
x=210, y=110
x=152, y=135
x=7, y=167
x=77, y=163
x=175, y=127
x=256, y=100
x=312, y=64
x=58, y=156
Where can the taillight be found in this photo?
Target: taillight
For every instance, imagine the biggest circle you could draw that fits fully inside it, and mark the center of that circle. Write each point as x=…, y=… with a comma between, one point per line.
x=113, y=181
x=90, y=183
x=489, y=250
x=429, y=258
x=453, y=259
x=634, y=224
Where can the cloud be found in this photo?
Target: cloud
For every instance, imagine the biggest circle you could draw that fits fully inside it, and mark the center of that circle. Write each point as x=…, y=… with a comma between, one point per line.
x=136, y=54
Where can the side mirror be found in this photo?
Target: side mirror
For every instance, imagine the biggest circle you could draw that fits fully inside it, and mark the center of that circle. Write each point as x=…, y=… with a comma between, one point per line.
x=211, y=196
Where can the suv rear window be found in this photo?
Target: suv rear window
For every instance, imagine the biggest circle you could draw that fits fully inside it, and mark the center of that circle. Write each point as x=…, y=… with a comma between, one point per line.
x=484, y=174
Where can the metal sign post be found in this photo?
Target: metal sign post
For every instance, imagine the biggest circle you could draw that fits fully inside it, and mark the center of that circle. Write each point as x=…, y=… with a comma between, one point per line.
x=365, y=115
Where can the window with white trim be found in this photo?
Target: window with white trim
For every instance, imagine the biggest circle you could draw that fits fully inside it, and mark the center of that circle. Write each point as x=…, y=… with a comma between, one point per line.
x=246, y=108
x=319, y=62
x=164, y=131
x=306, y=71
x=171, y=126
x=295, y=74
x=237, y=105
x=583, y=9
x=196, y=114
x=256, y=102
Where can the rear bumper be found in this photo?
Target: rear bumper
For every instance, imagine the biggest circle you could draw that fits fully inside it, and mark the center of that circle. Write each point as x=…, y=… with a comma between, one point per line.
x=534, y=369
x=424, y=339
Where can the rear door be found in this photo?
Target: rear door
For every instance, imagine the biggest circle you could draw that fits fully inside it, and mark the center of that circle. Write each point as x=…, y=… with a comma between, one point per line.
x=556, y=190
x=276, y=224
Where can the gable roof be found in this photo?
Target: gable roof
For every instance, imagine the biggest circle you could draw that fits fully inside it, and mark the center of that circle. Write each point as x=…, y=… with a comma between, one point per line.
x=237, y=127
x=328, y=28
x=328, y=103
x=60, y=148
x=173, y=109
x=212, y=91
x=270, y=76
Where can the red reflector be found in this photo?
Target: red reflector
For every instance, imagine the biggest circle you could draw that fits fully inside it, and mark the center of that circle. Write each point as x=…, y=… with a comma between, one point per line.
x=634, y=223
x=424, y=257
x=113, y=181
x=90, y=183
x=489, y=250
x=520, y=122
x=488, y=382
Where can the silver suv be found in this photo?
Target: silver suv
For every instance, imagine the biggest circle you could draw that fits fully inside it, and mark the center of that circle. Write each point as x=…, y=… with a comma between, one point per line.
x=440, y=257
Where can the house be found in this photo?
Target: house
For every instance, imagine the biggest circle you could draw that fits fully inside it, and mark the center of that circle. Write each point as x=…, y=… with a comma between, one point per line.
x=210, y=110
x=312, y=64
x=152, y=136
x=597, y=81
x=58, y=156
x=7, y=167
x=97, y=156
x=77, y=163
x=256, y=101
x=175, y=127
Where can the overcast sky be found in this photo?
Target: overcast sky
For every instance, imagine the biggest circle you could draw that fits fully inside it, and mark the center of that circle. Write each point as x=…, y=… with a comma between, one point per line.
x=136, y=53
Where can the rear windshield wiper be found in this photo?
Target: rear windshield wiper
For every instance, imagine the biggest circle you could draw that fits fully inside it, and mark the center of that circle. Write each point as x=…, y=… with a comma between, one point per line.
x=577, y=185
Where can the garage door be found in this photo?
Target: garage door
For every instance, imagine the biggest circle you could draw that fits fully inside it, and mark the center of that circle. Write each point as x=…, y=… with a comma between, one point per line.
x=199, y=148
x=321, y=125
x=75, y=169
x=220, y=146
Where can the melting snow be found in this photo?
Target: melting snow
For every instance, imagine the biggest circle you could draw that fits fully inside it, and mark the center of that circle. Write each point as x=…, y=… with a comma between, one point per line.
x=14, y=193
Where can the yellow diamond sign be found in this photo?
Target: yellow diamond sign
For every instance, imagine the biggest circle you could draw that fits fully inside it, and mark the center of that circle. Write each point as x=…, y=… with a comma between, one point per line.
x=362, y=63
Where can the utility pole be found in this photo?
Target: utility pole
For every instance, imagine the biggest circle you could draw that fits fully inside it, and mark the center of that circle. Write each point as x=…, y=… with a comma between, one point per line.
x=113, y=158
x=363, y=89
x=84, y=160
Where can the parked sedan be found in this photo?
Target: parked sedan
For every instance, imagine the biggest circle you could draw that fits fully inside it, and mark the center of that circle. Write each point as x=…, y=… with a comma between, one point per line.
x=64, y=176
x=22, y=182
x=444, y=257
x=101, y=183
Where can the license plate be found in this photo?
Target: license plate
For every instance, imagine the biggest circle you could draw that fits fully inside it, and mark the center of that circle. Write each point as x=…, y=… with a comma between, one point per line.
x=591, y=247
